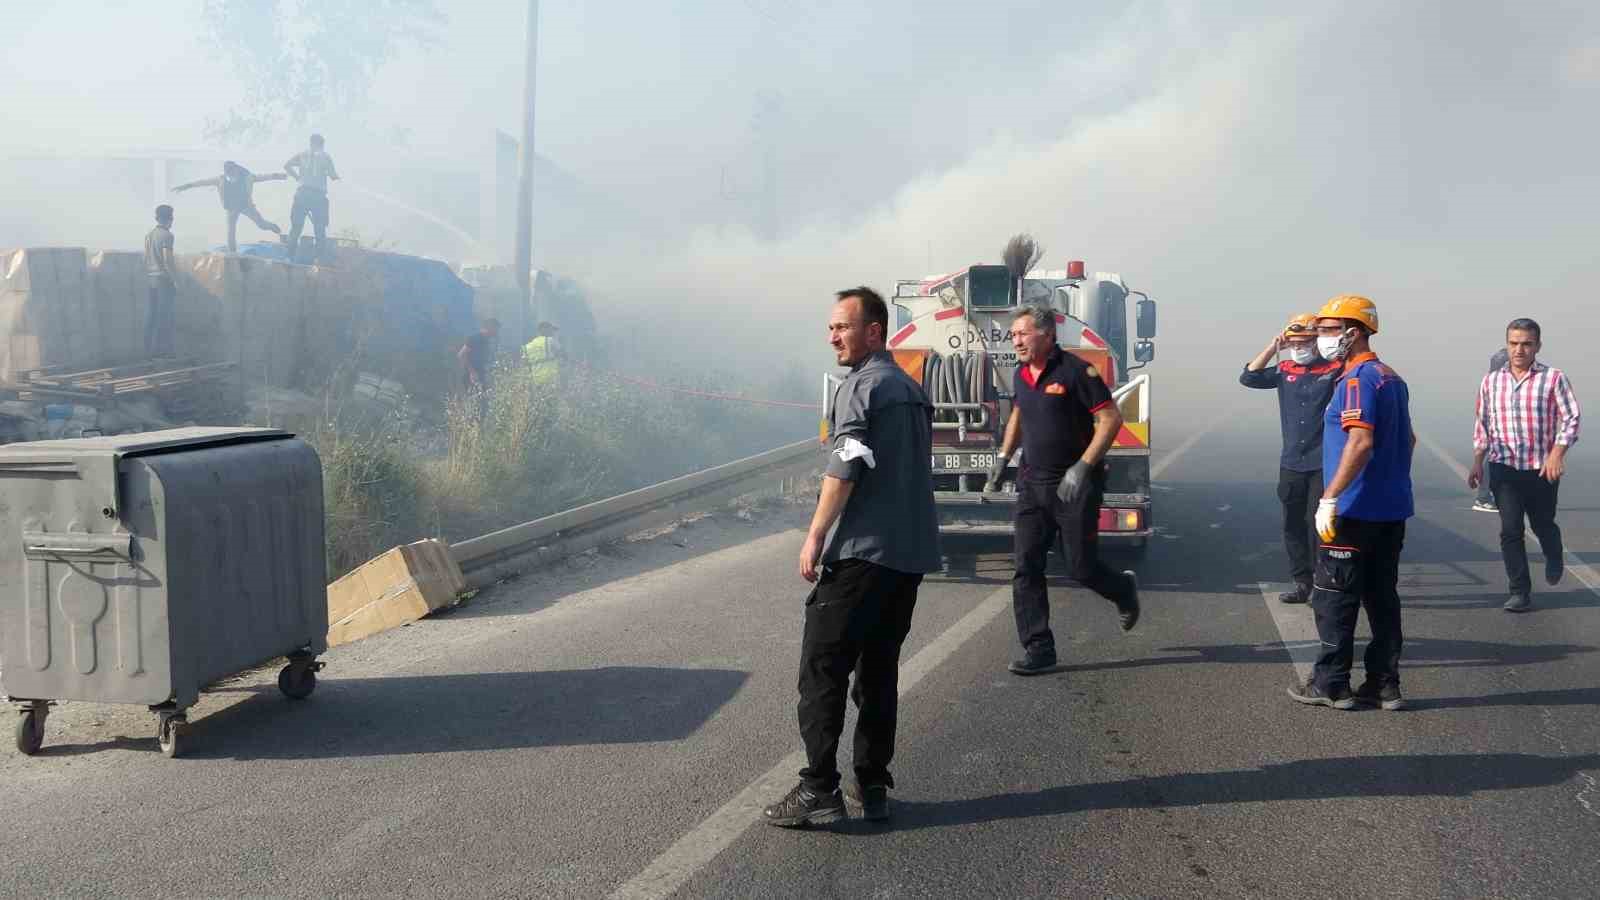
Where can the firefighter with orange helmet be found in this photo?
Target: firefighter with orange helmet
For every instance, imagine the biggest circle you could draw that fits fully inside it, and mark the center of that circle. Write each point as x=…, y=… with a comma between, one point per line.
x=1367, y=445
x=1304, y=382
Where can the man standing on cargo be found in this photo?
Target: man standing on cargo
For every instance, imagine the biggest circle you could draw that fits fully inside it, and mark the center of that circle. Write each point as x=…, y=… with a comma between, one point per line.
x=312, y=168
x=1064, y=417
x=236, y=186
x=872, y=538
x=162, y=271
x=1367, y=443
x=1304, y=383
x=1527, y=419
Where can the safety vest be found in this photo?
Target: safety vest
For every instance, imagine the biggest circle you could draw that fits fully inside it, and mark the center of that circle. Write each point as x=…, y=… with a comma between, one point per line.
x=543, y=357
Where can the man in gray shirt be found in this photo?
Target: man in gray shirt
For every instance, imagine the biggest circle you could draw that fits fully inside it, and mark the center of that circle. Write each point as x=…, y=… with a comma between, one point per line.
x=874, y=535
x=161, y=270
x=312, y=168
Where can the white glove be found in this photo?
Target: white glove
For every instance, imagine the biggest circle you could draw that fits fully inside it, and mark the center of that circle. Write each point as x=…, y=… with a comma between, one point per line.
x=1326, y=507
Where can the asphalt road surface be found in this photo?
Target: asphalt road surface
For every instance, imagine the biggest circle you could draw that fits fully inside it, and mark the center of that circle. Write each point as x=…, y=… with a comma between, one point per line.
x=611, y=728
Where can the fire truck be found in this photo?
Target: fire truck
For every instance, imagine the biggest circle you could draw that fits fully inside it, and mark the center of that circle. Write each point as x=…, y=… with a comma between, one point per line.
x=952, y=335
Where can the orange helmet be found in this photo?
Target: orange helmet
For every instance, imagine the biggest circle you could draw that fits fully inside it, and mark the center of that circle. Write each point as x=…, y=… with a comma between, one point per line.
x=1353, y=307
x=1302, y=325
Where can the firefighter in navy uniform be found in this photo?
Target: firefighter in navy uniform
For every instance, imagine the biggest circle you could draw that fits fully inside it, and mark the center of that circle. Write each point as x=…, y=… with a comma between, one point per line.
x=1304, y=383
x=1066, y=421
x=1367, y=446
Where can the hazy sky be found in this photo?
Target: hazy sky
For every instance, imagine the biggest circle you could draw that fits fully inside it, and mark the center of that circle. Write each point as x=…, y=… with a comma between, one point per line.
x=1238, y=165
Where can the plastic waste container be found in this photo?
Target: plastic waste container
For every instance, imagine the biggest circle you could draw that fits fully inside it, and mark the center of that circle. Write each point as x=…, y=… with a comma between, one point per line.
x=141, y=568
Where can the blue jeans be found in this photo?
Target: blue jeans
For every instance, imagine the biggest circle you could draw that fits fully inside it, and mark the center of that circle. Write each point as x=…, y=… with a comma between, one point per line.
x=160, y=322
x=1486, y=485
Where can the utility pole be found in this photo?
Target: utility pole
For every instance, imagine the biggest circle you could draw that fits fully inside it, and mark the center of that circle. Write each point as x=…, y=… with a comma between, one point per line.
x=525, y=180
x=769, y=109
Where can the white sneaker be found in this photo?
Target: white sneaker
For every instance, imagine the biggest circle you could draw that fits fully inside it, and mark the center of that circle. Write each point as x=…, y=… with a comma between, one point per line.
x=1480, y=506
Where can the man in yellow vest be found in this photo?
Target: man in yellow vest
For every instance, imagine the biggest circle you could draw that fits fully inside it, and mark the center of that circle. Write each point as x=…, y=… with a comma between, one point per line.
x=543, y=354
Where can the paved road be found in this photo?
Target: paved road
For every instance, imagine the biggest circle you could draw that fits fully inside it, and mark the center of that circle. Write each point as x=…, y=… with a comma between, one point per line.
x=602, y=729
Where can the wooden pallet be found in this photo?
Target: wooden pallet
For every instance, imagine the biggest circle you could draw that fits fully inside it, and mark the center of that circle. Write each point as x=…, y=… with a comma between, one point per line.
x=91, y=385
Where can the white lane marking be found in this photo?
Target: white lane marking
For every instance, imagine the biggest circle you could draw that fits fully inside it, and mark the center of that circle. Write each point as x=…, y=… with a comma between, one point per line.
x=1443, y=456
x=1579, y=569
x=690, y=853
x=1297, y=627
x=1166, y=462
x=697, y=848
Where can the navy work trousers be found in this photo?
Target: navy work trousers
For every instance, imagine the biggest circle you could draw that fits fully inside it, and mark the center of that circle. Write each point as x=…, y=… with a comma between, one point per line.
x=1359, y=569
x=1299, y=493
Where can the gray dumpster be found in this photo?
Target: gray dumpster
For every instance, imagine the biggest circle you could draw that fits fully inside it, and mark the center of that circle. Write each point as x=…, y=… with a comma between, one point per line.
x=141, y=568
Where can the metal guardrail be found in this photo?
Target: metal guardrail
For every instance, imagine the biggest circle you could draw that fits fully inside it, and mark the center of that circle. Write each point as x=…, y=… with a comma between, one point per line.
x=483, y=559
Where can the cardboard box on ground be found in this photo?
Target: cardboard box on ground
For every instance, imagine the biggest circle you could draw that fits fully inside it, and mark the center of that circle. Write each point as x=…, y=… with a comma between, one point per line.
x=400, y=586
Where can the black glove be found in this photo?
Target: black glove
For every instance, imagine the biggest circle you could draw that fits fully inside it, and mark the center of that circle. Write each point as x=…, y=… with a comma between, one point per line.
x=996, y=472
x=1073, y=484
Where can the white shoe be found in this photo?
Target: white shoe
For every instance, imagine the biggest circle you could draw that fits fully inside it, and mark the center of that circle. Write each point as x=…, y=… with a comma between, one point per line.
x=1480, y=506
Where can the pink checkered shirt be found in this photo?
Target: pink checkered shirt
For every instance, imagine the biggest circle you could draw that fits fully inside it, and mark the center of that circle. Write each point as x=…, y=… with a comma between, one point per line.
x=1519, y=421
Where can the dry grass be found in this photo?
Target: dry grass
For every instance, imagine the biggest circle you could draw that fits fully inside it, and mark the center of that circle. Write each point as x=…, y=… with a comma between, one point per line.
x=538, y=448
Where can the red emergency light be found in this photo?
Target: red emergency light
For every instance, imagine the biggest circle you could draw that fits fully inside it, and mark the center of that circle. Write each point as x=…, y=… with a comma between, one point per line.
x=1075, y=269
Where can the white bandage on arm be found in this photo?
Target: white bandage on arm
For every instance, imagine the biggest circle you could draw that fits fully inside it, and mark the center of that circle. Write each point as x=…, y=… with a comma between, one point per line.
x=851, y=449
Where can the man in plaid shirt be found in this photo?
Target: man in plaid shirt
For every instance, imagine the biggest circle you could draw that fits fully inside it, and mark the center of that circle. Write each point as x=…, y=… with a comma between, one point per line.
x=1527, y=420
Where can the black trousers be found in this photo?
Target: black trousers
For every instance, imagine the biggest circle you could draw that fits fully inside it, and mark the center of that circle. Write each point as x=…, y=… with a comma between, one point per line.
x=1041, y=518
x=857, y=617
x=1359, y=569
x=1299, y=493
x=161, y=320
x=308, y=203
x=1519, y=493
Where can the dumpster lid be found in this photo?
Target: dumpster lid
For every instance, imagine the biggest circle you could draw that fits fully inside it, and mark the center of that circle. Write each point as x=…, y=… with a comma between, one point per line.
x=64, y=455
x=96, y=460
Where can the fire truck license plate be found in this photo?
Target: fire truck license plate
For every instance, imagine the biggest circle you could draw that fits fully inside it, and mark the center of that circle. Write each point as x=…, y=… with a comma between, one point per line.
x=962, y=462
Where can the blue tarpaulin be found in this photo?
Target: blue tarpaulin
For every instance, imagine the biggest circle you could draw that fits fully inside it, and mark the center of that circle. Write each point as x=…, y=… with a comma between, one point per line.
x=425, y=305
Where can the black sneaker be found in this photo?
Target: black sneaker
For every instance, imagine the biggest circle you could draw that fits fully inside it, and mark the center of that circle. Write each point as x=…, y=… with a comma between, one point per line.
x=1518, y=603
x=1294, y=596
x=1311, y=695
x=1128, y=606
x=1386, y=696
x=1033, y=665
x=871, y=799
x=801, y=807
x=1554, y=568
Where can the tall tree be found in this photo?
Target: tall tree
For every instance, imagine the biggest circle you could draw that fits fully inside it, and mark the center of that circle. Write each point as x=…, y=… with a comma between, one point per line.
x=300, y=60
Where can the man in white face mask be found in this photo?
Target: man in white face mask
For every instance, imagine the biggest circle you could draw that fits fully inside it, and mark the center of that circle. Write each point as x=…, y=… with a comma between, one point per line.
x=1304, y=383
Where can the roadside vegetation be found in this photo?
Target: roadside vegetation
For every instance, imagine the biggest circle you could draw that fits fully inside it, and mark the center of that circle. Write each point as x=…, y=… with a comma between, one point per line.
x=541, y=446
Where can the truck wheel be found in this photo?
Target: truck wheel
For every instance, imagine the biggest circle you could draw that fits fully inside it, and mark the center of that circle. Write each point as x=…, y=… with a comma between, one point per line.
x=30, y=731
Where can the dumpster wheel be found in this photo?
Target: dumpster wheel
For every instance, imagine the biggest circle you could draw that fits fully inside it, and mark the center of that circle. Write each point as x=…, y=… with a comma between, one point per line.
x=30, y=729
x=168, y=732
x=298, y=680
